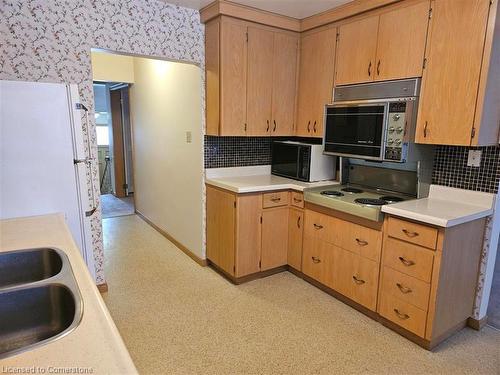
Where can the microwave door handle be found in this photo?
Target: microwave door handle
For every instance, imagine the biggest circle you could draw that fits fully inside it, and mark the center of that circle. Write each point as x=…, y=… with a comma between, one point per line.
x=299, y=163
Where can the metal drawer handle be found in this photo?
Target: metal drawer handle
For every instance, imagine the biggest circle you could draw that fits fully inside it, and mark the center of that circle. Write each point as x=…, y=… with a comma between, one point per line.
x=316, y=260
x=317, y=226
x=274, y=129
x=406, y=262
x=298, y=222
x=409, y=233
x=309, y=126
x=267, y=129
x=297, y=200
x=276, y=199
x=370, y=69
x=403, y=289
x=358, y=281
x=425, y=129
x=400, y=315
x=378, y=68
x=314, y=126
x=361, y=242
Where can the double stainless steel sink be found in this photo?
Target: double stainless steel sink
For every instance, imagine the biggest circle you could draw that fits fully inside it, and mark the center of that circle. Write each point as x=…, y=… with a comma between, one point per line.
x=39, y=299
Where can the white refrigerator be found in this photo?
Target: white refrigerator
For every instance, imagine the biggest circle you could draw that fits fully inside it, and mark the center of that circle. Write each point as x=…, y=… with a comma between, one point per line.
x=43, y=163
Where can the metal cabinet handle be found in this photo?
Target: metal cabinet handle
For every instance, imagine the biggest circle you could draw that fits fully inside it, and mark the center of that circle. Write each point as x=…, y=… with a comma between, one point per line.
x=309, y=126
x=409, y=233
x=314, y=126
x=274, y=129
x=276, y=199
x=267, y=129
x=370, y=69
x=400, y=315
x=317, y=226
x=406, y=262
x=358, y=281
x=298, y=222
x=378, y=68
x=403, y=289
x=361, y=242
x=297, y=200
x=425, y=129
x=316, y=260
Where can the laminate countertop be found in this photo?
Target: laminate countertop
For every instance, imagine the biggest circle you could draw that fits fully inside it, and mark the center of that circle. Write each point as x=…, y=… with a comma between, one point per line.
x=256, y=179
x=445, y=207
x=94, y=346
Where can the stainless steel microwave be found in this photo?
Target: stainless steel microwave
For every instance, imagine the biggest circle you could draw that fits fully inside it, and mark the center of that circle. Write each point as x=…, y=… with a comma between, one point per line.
x=374, y=121
x=302, y=161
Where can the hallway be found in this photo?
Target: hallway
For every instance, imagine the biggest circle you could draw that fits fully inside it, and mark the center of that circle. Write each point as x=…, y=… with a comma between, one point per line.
x=179, y=318
x=113, y=206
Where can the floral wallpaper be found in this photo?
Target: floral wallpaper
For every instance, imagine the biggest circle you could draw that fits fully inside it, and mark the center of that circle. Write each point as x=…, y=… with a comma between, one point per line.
x=51, y=40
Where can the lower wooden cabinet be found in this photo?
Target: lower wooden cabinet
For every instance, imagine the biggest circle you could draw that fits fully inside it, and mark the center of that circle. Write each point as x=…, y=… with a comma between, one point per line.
x=318, y=260
x=274, y=238
x=295, y=237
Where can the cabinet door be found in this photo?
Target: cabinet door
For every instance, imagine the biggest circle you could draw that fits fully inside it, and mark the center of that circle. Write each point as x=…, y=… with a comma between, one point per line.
x=317, y=61
x=356, y=277
x=295, y=234
x=401, y=42
x=260, y=81
x=274, y=238
x=356, y=48
x=284, y=83
x=233, y=72
x=318, y=260
x=451, y=76
x=221, y=228
x=248, y=234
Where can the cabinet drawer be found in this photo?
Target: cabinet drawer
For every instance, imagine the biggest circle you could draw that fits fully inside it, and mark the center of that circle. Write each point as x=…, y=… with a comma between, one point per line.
x=409, y=259
x=361, y=240
x=297, y=199
x=419, y=234
x=321, y=226
x=406, y=288
x=276, y=199
x=356, y=277
x=317, y=260
x=403, y=314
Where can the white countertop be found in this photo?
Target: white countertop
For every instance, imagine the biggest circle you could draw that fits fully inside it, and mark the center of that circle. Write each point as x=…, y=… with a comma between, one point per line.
x=445, y=207
x=95, y=343
x=255, y=179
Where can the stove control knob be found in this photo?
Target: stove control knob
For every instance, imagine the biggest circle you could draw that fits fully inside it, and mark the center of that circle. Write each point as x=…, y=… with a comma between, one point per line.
x=398, y=142
x=390, y=141
x=391, y=129
x=399, y=130
x=396, y=117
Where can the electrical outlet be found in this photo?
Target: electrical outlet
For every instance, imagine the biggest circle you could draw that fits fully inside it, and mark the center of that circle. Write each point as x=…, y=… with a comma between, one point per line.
x=189, y=137
x=474, y=159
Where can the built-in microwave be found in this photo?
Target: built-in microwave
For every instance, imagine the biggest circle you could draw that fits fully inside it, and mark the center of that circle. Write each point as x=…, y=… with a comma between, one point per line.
x=302, y=161
x=374, y=121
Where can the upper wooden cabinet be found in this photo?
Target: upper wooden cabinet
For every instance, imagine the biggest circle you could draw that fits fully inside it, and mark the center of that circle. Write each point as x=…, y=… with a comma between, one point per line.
x=317, y=57
x=356, y=51
x=459, y=97
x=251, y=73
x=387, y=46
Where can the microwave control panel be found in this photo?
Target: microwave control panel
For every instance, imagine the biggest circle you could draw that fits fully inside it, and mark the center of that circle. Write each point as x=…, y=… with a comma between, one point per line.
x=395, y=145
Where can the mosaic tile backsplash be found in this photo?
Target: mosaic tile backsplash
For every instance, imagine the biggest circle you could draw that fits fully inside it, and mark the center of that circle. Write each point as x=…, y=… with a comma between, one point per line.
x=237, y=151
x=450, y=168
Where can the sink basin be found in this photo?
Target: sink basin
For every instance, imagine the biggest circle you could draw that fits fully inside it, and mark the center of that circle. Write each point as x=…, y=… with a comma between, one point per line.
x=26, y=266
x=30, y=315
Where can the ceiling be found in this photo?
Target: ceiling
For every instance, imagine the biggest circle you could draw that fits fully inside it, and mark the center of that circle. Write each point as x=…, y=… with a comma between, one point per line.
x=292, y=8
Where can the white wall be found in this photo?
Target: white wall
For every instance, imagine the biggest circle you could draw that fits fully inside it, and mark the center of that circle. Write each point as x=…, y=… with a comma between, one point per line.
x=165, y=103
x=108, y=67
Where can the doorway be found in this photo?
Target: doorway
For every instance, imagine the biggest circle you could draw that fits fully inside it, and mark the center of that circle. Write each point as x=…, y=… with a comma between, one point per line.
x=114, y=141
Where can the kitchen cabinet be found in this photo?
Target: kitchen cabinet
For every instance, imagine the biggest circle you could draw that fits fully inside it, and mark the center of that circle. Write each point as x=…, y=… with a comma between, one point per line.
x=343, y=255
x=428, y=277
x=459, y=96
x=274, y=238
x=260, y=80
x=356, y=51
x=317, y=60
x=385, y=46
x=251, y=72
x=247, y=233
x=295, y=235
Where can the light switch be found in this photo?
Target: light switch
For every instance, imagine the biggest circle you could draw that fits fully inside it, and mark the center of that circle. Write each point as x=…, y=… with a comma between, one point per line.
x=189, y=137
x=474, y=159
